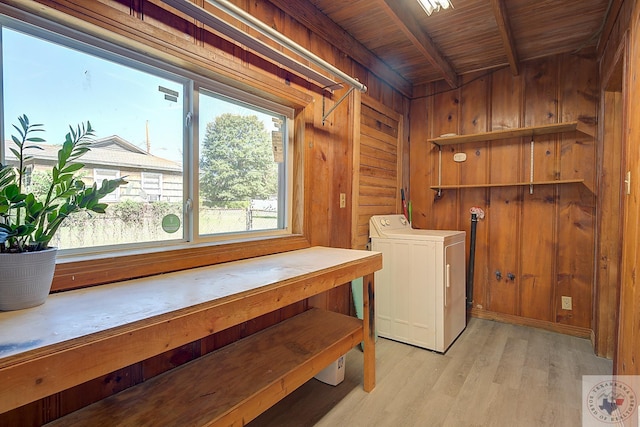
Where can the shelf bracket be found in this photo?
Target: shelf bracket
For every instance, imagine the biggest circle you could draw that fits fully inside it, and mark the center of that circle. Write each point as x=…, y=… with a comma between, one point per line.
x=325, y=115
x=439, y=171
x=531, y=168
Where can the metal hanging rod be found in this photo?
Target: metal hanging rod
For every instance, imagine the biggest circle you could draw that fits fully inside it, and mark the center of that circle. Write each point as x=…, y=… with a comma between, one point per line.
x=266, y=30
x=238, y=35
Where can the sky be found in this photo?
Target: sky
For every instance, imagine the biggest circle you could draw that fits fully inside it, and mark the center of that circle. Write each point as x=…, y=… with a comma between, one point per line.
x=58, y=87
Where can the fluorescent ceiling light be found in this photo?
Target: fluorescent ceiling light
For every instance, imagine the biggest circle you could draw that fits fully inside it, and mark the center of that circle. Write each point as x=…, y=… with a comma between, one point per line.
x=431, y=6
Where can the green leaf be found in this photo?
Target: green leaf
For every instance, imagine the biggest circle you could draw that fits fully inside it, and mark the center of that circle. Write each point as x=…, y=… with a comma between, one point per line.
x=51, y=207
x=72, y=168
x=24, y=229
x=55, y=173
x=99, y=207
x=65, y=152
x=80, y=151
x=34, y=210
x=12, y=192
x=20, y=132
x=7, y=176
x=66, y=209
x=39, y=236
x=52, y=216
x=17, y=141
x=24, y=121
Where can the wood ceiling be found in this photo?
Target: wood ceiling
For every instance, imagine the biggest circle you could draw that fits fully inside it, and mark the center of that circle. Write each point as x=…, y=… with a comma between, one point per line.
x=406, y=47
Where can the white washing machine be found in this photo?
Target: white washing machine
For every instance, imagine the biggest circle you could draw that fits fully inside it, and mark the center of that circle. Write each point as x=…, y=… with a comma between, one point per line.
x=420, y=291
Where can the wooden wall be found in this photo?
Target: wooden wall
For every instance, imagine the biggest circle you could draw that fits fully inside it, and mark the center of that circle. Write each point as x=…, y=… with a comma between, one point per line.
x=545, y=239
x=627, y=360
x=378, y=154
x=324, y=150
x=610, y=183
x=620, y=118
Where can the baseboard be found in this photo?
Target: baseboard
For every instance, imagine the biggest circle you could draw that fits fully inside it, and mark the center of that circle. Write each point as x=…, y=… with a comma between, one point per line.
x=575, y=331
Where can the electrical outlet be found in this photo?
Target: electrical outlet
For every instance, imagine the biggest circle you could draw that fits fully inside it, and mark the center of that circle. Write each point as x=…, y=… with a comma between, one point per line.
x=567, y=303
x=343, y=200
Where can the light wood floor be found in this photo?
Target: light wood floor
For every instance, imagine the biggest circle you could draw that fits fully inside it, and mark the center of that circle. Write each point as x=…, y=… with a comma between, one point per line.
x=495, y=374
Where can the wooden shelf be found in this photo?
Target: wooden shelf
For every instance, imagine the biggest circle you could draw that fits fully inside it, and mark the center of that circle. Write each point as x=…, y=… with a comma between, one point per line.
x=234, y=384
x=512, y=184
x=513, y=133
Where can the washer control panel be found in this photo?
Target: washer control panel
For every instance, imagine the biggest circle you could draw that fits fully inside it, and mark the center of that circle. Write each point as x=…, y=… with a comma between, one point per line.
x=379, y=225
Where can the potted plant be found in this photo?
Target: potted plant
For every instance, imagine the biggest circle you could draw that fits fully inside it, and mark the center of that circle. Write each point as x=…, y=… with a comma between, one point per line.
x=28, y=223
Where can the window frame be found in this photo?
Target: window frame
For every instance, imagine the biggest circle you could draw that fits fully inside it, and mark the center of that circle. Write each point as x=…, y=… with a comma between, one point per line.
x=285, y=200
x=125, y=32
x=131, y=52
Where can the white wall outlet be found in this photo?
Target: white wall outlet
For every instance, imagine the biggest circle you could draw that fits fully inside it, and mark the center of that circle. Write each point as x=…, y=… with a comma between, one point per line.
x=567, y=303
x=459, y=157
x=343, y=200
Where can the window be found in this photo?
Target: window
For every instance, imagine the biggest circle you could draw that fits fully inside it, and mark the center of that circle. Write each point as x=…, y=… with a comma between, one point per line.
x=215, y=157
x=100, y=175
x=152, y=186
x=241, y=162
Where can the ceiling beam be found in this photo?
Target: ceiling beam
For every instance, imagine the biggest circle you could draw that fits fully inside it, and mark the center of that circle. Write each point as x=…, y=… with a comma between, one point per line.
x=308, y=15
x=500, y=13
x=408, y=24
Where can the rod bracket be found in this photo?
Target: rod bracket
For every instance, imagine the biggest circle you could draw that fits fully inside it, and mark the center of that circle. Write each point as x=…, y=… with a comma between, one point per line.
x=330, y=110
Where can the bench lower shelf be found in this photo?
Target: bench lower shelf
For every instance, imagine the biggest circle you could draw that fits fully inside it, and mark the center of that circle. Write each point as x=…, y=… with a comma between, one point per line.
x=234, y=384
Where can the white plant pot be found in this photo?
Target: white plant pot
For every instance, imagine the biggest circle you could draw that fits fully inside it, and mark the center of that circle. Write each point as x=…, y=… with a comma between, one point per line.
x=25, y=278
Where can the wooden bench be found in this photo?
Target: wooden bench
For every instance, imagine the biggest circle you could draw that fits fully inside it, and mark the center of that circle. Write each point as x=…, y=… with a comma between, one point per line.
x=235, y=384
x=80, y=335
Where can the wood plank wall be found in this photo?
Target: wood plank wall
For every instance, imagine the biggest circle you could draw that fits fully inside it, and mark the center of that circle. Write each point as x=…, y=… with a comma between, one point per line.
x=610, y=204
x=378, y=167
x=620, y=64
x=325, y=150
x=545, y=239
x=628, y=351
